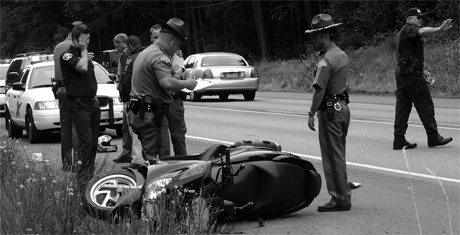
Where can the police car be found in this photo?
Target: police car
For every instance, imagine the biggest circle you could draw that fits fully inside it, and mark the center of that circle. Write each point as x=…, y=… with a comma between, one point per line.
x=32, y=106
x=3, y=69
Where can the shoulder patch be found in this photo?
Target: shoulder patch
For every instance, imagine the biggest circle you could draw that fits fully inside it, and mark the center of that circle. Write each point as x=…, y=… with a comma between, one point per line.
x=321, y=64
x=67, y=56
x=165, y=59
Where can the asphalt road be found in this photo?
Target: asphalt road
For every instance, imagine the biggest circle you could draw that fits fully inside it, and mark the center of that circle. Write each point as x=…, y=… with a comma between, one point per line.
x=392, y=200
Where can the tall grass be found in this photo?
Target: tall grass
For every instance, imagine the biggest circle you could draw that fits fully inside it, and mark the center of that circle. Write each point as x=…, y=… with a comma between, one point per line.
x=371, y=70
x=35, y=198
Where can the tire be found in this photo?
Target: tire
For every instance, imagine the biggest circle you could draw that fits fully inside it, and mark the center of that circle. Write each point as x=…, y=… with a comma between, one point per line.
x=223, y=97
x=194, y=97
x=119, y=130
x=101, y=194
x=249, y=96
x=13, y=130
x=32, y=133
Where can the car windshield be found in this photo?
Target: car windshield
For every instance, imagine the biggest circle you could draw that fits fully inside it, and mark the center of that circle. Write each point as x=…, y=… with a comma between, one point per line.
x=41, y=76
x=101, y=74
x=3, y=70
x=226, y=60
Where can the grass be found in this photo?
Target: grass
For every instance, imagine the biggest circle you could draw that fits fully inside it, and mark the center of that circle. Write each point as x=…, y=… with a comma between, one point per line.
x=37, y=199
x=372, y=70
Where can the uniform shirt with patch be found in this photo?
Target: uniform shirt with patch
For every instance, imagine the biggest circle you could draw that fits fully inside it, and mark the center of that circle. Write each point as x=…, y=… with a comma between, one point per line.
x=409, y=43
x=77, y=84
x=332, y=68
x=150, y=66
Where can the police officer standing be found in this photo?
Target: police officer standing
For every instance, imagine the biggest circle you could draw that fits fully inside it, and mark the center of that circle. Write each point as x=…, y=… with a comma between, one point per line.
x=84, y=111
x=176, y=118
x=151, y=83
x=68, y=137
x=411, y=86
x=330, y=101
x=134, y=47
x=120, y=43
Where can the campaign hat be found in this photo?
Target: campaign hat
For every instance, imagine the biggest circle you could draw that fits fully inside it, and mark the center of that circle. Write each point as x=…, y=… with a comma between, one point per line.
x=321, y=22
x=175, y=26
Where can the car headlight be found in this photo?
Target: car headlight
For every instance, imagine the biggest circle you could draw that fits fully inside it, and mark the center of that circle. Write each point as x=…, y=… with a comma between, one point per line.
x=43, y=105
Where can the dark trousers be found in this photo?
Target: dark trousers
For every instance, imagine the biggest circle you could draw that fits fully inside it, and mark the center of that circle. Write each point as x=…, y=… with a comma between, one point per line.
x=419, y=94
x=127, y=138
x=154, y=138
x=69, y=139
x=86, y=116
x=177, y=127
x=332, y=140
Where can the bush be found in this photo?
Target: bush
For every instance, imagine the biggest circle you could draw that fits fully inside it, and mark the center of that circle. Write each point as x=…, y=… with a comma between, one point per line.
x=371, y=69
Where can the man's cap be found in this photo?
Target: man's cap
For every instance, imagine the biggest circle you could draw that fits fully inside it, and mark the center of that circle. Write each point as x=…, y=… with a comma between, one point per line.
x=71, y=25
x=414, y=12
x=133, y=41
x=177, y=27
x=82, y=28
x=321, y=22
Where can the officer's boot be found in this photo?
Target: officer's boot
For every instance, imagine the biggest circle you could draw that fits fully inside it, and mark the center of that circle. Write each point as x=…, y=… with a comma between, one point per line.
x=436, y=139
x=400, y=142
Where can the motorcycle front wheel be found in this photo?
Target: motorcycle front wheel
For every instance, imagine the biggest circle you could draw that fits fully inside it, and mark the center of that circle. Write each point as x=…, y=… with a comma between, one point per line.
x=101, y=194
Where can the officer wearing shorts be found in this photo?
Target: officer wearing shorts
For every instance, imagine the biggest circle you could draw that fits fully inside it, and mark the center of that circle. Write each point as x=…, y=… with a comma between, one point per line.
x=330, y=102
x=84, y=111
x=152, y=83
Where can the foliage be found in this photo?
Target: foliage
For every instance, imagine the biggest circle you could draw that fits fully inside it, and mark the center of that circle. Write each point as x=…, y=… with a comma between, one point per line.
x=221, y=25
x=37, y=199
x=371, y=70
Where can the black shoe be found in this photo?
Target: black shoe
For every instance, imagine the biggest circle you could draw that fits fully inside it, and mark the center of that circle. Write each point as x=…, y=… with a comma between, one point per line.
x=354, y=185
x=401, y=145
x=331, y=207
x=123, y=159
x=439, y=141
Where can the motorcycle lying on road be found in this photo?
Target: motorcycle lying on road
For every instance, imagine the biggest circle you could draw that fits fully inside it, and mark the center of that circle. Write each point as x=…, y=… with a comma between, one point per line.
x=248, y=179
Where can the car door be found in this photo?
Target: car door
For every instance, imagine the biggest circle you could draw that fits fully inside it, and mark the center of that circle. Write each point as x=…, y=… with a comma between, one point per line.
x=15, y=104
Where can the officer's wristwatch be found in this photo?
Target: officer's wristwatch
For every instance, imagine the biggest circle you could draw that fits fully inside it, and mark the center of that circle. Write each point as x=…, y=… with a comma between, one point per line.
x=310, y=114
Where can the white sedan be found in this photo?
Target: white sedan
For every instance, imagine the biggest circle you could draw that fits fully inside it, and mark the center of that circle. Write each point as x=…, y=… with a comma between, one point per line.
x=222, y=74
x=31, y=104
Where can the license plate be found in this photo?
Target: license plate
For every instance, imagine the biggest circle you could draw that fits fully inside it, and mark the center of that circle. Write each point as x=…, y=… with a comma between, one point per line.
x=231, y=75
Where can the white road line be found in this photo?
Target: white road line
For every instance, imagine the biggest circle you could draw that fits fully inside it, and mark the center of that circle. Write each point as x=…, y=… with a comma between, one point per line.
x=348, y=163
x=277, y=112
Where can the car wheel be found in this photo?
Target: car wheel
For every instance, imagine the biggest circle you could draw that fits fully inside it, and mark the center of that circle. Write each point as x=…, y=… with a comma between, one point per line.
x=32, y=132
x=194, y=97
x=119, y=130
x=249, y=96
x=223, y=97
x=13, y=130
